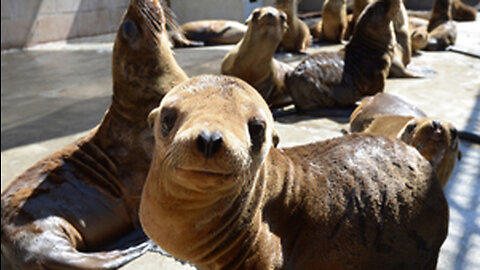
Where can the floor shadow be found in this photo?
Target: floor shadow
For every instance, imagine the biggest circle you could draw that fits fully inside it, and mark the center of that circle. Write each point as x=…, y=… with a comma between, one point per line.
x=465, y=181
x=71, y=119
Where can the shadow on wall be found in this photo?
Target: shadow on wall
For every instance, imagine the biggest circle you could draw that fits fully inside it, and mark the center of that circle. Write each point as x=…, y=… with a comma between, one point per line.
x=461, y=247
x=25, y=23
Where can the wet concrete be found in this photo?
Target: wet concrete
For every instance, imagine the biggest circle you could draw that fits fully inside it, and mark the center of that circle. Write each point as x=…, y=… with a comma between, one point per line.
x=54, y=93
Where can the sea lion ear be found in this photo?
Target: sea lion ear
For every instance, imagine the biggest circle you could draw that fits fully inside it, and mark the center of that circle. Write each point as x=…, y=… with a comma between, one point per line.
x=275, y=138
x=152, y=115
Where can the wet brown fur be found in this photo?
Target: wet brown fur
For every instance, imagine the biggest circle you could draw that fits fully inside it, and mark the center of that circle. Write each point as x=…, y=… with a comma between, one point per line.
x=339, y=79
x=86, y=195
x=388, y=115
x=354, y=202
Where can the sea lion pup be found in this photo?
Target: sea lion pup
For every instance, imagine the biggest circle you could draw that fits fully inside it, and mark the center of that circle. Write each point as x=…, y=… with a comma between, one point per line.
x=252, y=58
x=214, y=31
x=63, y=211
x=297, y=37
x=334, y=22
x=418, y=33
x=463, y=12
x=389, y=115
x=221, y=196
x=339, y=79
x=460, y=12
x=442, y=31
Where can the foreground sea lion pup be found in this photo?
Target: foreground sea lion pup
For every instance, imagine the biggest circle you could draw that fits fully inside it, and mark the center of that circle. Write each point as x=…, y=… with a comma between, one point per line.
x=252, y=58
x=388, y=115
x=64, y=211
x=221, y=196
x=339, y=79
x=297, y=37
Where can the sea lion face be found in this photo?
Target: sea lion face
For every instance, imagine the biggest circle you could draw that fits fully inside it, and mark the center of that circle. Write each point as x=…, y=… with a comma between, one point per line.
x=141, y=47
x=419, y=39
x=434, y=139
x=267, y=22
x=212, y=131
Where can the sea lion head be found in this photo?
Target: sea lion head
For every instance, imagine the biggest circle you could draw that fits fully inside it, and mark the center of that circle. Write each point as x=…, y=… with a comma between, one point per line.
x=267, y=23
x=436, y=140
x=374, y=22
x=211, y=132
x=419, y=39
x=141, y=55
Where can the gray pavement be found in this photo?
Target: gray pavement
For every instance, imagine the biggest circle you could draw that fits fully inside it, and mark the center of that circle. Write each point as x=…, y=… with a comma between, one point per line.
x=52, y=94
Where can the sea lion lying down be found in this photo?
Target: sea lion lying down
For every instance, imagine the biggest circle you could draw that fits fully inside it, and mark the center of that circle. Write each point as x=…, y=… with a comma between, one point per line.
x=388, y=115
x=220, y=195
x=67, y=210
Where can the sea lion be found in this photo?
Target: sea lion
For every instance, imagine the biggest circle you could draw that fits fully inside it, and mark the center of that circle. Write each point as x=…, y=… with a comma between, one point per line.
x=297, y=37
x=418, y=33
x=252, y=58
x=214, y=31
x=65, y=210
x=339, y=79
x=460, y=12
x=435, y=140
x=463, y=12
x=381, y=104
x=221, y=196
x=442, y=31
x=389, y=115
x=334, y=22
x=358, y=7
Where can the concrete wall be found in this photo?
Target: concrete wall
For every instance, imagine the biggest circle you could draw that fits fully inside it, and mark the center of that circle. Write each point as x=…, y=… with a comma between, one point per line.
x=239, y=10
x=29, y=22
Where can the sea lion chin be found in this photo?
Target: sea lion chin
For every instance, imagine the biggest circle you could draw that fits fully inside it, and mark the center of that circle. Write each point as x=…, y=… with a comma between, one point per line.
x=244, y=204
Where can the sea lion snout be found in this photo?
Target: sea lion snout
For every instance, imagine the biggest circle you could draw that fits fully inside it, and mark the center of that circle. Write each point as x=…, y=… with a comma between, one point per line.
x=209, y=143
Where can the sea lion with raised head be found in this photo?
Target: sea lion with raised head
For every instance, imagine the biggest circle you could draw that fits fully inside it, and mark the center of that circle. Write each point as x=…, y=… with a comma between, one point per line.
x=212, y=32
x=252, y=58
x=339, y=79
x=63, y=212
x=297, y=37
x=220, y=195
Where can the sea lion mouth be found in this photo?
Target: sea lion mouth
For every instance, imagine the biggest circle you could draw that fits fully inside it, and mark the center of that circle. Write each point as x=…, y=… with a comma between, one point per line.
x=196, y=173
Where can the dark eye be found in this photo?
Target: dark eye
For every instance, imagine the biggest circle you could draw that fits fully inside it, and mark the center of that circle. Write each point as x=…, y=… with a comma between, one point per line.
x=453, y=133
x=129, y=30
x=255, y=15
x=256, y=129
x=283, y=17
x=169, y=117
x=410, y=128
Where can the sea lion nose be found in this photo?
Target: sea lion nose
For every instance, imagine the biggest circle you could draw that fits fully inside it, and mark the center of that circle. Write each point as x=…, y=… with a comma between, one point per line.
x=436, y=126
x=270, y=14
x=209, y=143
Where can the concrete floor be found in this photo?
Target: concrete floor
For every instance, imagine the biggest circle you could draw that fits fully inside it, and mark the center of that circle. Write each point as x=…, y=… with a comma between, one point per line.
x=52, y=94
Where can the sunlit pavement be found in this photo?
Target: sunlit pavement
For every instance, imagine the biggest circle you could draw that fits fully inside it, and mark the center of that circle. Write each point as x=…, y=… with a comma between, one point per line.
x=54, y=93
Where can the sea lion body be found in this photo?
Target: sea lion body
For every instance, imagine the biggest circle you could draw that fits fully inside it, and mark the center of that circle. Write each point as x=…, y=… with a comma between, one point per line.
x=221, y=196
x=62, y=212
x=214, y=31
x=334, y=20
x=252, y=58
x=297, y=37
x=388, y=115
x=339, y=79
x=463, y=12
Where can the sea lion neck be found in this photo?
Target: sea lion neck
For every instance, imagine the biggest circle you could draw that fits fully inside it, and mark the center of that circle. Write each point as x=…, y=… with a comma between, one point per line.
x=264, y=48
x=141, y=79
